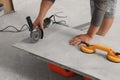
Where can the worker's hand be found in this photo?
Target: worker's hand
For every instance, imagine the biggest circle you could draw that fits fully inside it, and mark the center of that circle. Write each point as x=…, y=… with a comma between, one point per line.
x=39, y=22
x=82, y=37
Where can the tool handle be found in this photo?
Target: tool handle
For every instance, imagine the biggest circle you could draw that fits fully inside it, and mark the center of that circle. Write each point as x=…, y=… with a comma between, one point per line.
x=29, y=21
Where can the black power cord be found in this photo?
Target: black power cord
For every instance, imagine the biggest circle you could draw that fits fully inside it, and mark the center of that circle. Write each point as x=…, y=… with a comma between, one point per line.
x=16, y=30
x=47, y=22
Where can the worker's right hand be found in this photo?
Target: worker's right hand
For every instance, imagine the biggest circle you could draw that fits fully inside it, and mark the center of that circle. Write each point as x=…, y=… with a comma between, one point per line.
x=39, y=23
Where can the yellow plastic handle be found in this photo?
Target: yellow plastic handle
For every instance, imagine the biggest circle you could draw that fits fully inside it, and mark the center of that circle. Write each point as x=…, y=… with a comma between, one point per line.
x=101, y=47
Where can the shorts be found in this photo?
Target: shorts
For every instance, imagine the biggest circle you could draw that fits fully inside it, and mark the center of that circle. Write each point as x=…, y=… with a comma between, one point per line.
x=101, y=9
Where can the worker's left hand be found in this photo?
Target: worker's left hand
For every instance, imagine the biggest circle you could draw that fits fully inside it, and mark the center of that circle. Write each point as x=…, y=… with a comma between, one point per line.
x=82, y=37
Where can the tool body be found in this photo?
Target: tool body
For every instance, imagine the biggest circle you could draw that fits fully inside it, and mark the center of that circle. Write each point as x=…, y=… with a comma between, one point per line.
x=111, y=54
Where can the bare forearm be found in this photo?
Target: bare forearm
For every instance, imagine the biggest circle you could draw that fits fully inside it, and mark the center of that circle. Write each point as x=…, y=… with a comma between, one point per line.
x=93, y=30
x=45, y=6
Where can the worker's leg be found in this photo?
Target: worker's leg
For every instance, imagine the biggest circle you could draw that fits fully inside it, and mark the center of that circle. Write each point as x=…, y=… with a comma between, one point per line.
x=108, y=18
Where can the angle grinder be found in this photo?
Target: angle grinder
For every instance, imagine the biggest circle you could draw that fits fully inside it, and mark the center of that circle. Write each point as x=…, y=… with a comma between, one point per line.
x=37, y=33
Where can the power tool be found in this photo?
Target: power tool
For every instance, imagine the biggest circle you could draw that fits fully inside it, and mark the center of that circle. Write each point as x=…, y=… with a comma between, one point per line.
x=36, y=34
x=111, y=54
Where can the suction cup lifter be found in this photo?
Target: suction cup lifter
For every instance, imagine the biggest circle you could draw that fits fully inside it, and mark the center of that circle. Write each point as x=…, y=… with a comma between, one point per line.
x=111, y=54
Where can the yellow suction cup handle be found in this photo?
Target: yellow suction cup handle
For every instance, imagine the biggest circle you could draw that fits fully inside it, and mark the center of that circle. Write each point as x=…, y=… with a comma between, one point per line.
x=111, y=55
x=101, y=47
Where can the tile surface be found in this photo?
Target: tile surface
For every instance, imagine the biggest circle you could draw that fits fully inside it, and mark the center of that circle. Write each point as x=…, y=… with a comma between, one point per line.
x=55, y=48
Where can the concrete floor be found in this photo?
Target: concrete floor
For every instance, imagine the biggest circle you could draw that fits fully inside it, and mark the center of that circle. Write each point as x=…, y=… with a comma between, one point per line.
x=19, y=65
